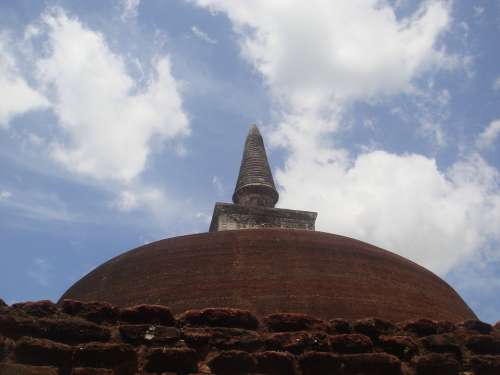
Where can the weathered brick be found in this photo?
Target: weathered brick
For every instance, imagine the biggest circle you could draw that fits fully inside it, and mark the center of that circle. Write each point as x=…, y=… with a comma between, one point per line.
x=298, y=342
x=477, y=326
x=224, y=338
x=120, y=357
x=371, y=363
x=179, y=360
x=288, y=322
x=41, y=352
x=351, y=343
x=91, y=371
x=444, y=326
x=436, y=364
x=373, y=327
x=71, y=331
x=148, y=314
x=275, y=363
x=421, y=327
x=17, y=369
x=484, y=344
x=485, y=364
x=97, y=312
x=38, y=308
x=445, y=343
x=339, y=326
x=3, y=348
x=211, y=317
x=15, y=326
x=233, y=362
x=403, y=347
x=148, y=334
x=315, y=363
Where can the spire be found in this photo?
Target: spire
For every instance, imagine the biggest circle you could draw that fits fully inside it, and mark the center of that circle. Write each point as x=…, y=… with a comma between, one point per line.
x=255, y=185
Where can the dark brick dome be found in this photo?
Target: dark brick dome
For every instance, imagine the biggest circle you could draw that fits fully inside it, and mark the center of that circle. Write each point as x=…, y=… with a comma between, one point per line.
x=273, y=270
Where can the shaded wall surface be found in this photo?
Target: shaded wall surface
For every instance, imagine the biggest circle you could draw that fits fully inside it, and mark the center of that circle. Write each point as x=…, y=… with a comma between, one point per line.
x=77, y=338
x=273, y=270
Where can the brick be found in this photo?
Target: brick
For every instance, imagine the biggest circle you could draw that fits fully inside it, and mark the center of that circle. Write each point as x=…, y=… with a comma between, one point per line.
x=148, y=334
x=275, y=363
x=120, y=357
x=148, y=314
x=444, y=326
x=41, y=352
x=371, y=363
x=179, y=360
x=233, y=362
x=445, y=343
x=477, y=326
x=485, y=364
x=71, y=330
x=351, y=343
x=3, y=348
x=403, y=347
x=91, y=371
x=421, y=327
x=38, y=308
x=373, y=327
x=220, y=317
x=14, y=326
x=289, y=322
x=17, y=369
x=484, y=344
x=97, y=312
x=298, y=342
x=315, y=363
x=338, y=326
x=434, y=364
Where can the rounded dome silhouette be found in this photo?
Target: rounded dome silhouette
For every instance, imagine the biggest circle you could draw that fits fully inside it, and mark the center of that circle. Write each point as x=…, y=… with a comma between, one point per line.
x=273, y=270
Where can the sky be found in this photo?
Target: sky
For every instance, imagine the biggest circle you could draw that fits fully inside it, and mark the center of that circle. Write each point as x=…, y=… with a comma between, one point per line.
x=122, y=122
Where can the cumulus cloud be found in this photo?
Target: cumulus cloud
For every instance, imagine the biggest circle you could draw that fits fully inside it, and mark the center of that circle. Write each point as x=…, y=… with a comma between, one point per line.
x=17, y=95
x=130, y=9
x=202, y=35
x=108, y=120
x=496, y=84
x=489, y=135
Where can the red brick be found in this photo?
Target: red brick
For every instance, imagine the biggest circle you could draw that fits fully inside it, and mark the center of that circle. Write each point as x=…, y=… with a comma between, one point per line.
x=403, y=347
x=477, y=326
x=351, y=343
x=298, y=342
x=340, y=326
x=148, y=334
x=444, y=326
x=120, y=357
x=148, y=314
x=71, y=330
x=91, y=371
x=16, y=369
x=485, y=364
x=315, y=363
x=14, y=326
x=224, y=338
x=275, y=363
x=484, y=344
x=288, y=322
x=371, y=363
x=97, y=312
x=38, y=308
x=373, y=327
x=41, y=352
x=421, y=327
x=233, y=362
x=211, y=317
x=445, y=343
x=436, y=364
x=180, y=360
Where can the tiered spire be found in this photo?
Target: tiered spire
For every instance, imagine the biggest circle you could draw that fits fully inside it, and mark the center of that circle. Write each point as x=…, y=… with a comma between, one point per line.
x=255, y=185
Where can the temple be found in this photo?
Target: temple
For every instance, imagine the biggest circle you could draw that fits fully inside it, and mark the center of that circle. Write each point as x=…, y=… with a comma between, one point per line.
x=255, y=196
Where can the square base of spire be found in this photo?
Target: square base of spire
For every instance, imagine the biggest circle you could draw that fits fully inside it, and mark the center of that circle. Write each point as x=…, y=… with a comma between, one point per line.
x=229, y=216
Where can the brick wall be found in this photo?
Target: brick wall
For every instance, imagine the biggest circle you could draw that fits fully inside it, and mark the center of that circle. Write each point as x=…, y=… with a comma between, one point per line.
x=77, y=338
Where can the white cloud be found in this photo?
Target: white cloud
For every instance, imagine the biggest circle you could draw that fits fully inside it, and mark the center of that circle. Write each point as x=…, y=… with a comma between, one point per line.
x=4, y=194
x=202, y=35
x=489, y=135
x=130, y=9
x=219, y=187
x=496, y=84
x=17, y=95
x=108, y=120
x=41, y=271
x=139, y=197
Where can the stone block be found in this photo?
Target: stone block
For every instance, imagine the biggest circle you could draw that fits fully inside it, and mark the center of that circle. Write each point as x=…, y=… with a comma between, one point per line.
x=148, y=314
x=97, y=312
x=351, y=343
x=445, y=343
x=275, y=363
x=476, y=326
x=420, y=327
x=42, y=352
x=297, y=342
x=371, y=363
x=17, y=369
x=484, y=344
x=403, y=347
x=121, y=357
x=224, y=338
x=485, y=364
x=178, y=360
x=339, y=326
x=38, y=308
x=373, y=327
x=436, y=364
x=71, y=330
x=147, y=334
x=233, y=362
x=288, y=322
x=220, y=317
x=315, y=363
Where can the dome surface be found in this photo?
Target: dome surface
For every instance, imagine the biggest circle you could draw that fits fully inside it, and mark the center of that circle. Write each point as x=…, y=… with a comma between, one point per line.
x=273, y=270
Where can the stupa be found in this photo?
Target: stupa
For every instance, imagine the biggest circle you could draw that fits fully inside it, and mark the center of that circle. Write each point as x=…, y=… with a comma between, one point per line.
x=266, y=260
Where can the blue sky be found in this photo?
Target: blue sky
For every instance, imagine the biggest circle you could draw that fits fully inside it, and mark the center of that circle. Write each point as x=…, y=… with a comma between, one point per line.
x=122, y=122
